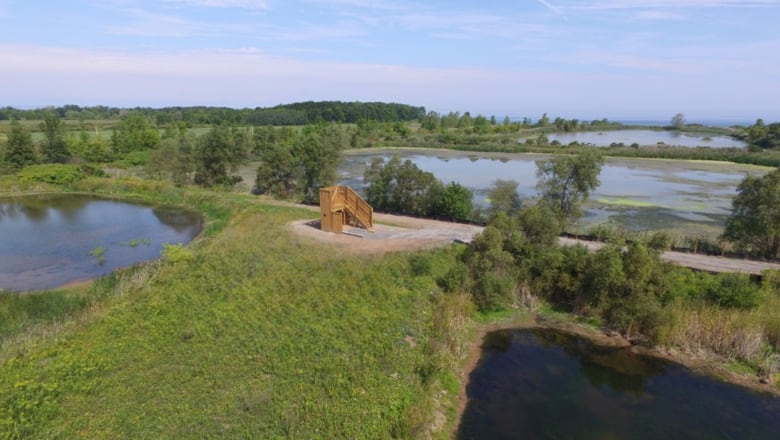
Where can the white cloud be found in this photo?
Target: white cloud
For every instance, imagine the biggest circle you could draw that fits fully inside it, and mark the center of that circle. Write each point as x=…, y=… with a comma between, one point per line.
x=365, y=4
x=145, y=23
x=676, y=4
x=658, y=15
x=550, y=6
x=236, y=78
x=249, y=77
x=632, y=61
x=241, y=4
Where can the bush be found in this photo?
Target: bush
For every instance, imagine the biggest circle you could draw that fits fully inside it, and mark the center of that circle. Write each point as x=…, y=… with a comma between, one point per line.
x=135, y=158
x=91, y=170
x=455, y=279
x=493, y=292
x=734, y=290
x=176, y=253
x=660, y=241
x=57, y=174
x=420, y=265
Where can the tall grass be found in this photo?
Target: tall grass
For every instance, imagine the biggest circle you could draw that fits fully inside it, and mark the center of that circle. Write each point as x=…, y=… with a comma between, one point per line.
x=258, y=334
x=699, y=328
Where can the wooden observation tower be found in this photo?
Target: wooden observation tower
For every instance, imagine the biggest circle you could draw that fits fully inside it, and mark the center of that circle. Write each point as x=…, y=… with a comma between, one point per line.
x=341, y=205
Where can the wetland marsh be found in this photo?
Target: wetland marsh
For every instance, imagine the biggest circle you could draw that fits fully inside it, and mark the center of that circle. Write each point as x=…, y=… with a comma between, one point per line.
x=690, y=197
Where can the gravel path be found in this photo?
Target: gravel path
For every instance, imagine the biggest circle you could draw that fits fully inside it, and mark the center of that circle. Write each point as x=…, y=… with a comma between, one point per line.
x=394, y=233
x=708, y=263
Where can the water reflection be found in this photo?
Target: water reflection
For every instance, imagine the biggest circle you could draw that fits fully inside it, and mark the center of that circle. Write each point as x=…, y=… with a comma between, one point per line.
x=692, y=191
x=45, y=241
x=544, y=383
x=646, y=138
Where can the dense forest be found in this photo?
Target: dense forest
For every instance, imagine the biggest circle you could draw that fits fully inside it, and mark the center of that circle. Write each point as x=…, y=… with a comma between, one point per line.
x=287, y=114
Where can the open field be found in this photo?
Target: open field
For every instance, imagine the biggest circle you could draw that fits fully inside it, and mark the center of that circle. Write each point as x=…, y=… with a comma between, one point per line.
x=251, y=332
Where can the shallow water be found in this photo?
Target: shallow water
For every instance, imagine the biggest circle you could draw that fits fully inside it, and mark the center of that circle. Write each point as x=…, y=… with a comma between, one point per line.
x=45, y=241
x=634, y=194
x=547, y=384
x=646, y=138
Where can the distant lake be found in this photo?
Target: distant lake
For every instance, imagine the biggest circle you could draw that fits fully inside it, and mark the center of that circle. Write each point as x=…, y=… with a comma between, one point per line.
x=46, y=241
x=645, y=138
x=636, y=194
x=547, y=384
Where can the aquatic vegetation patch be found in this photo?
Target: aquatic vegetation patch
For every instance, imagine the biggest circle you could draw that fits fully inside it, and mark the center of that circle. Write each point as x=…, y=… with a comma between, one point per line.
x=618, y=201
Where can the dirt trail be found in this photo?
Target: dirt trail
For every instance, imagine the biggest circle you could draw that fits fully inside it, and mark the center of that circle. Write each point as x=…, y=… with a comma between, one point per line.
x=395, y=233
x=708, y=263
x=392, y=233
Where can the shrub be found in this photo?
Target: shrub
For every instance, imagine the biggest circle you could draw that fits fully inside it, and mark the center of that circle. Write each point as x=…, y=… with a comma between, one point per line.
x=660, y=241
x=176, y=253
x=420, y=265
x=135, y=158
x=493, y=292
x=455, y=279
x=57, y=174
x=734, y=290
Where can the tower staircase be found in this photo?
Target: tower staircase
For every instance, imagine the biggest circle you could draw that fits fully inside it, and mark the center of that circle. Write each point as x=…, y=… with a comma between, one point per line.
x=340, y=205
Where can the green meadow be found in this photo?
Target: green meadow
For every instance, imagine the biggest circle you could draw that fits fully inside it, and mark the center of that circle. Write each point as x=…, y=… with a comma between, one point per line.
x=249, y=332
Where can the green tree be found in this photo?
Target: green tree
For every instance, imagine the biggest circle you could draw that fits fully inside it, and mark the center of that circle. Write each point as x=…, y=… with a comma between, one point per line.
x=89, y=148
x=678, y=121
x=297, y=165
x=277, y=172
x=453, y=202
x=401, y=187
x=754, y=224
x=174, y=159
x=218, y=153
x=319, y=151
x=503, y=197
x=492, y=269
x=19, y=149
x=135, y=133
x=540, y=225
x=565, y=182
x=53, y=145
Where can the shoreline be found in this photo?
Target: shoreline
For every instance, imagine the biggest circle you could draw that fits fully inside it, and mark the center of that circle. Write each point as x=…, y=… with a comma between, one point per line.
x=709, y=365
x=713, y=165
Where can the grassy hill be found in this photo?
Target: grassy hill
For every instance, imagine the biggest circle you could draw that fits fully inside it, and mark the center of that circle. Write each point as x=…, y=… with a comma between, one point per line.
x=249, y=332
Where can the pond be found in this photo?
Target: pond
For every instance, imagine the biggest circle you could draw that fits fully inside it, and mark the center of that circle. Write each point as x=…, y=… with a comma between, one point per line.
x=646, y=138
x=50, y=240
x=543, y=383
x=635, y=194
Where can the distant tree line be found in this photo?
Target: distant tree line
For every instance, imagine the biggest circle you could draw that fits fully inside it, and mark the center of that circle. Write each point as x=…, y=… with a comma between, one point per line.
x=433, y=121
x=287, y=114
x=762, y=135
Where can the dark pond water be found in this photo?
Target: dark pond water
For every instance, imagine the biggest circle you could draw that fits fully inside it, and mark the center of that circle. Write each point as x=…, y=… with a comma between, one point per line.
x=547, y=384
x=646, y=138
x=47, y=241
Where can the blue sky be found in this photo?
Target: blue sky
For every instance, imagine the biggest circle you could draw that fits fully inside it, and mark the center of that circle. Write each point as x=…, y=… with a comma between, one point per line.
x=621, y=59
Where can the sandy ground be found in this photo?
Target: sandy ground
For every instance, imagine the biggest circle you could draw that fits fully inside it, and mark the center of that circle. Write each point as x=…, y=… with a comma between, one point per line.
x=392, y=233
